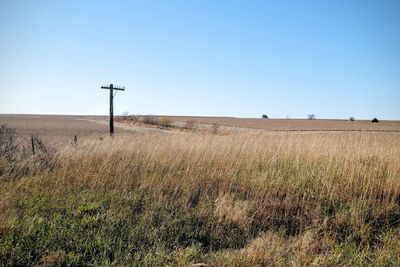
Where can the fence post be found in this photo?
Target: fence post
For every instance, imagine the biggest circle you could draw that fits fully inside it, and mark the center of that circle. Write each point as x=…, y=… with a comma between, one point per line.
x=33, y=145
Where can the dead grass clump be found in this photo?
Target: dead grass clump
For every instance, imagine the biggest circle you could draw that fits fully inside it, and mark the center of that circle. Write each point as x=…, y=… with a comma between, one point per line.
x=276, y=249
x=53, y=258
x=229, y=210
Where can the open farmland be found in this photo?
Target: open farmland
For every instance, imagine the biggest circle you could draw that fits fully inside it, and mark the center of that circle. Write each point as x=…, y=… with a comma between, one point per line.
x=242, y=198
x=59, y=130
x=295, y=124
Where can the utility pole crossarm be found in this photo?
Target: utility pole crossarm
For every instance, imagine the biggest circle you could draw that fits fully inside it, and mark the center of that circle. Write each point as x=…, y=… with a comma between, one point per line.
x=114, y=88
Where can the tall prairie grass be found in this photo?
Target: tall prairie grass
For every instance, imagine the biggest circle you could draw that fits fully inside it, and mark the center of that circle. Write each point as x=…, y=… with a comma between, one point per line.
x=250, y=199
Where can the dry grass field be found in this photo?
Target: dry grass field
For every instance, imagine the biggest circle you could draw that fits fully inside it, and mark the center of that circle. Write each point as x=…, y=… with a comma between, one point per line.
x=246, y=198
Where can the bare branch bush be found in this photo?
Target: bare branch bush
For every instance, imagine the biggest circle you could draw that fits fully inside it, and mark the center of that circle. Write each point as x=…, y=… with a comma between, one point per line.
x=19, y=157
x=8, y=143
x=151, y=120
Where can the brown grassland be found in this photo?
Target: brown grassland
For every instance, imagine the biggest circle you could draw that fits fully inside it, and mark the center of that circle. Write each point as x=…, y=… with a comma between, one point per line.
x=251, y=198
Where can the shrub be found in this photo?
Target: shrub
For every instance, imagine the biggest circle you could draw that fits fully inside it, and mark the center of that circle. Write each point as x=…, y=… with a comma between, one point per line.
x=133, y=118
x=8, y=142
x=190, y=124
x=264, y=116
x=165, y=122
x=215, y=128
x=150, y=120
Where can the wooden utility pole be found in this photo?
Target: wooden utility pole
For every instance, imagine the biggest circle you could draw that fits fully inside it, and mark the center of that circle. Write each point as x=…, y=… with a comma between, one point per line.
x=112, y=88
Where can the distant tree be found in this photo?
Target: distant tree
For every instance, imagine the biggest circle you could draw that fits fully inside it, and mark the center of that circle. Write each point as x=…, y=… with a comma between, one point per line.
x=264, y=116
x=352, y=118
x=311, y=116
x=375, y=120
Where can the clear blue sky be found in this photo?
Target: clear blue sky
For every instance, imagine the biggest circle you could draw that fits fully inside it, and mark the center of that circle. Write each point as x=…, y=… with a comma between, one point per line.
x=333, y=58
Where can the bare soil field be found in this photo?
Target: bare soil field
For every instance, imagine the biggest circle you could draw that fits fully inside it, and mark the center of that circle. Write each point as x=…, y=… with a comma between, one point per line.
x=65, y=127
x=59, y=130
x=54, y=125
x=295, y=124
